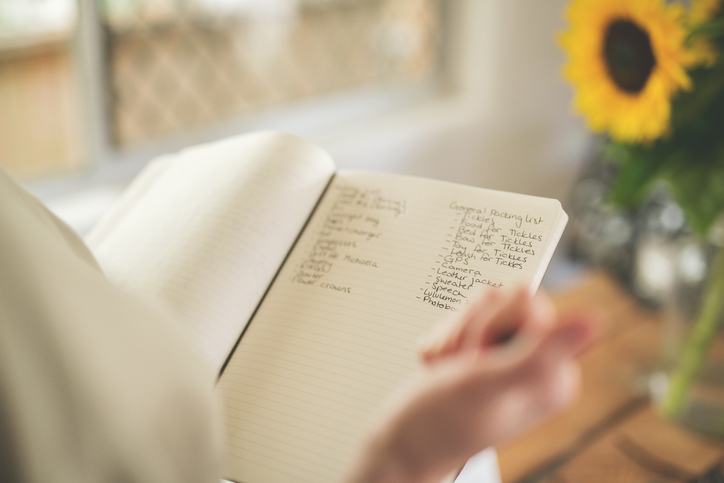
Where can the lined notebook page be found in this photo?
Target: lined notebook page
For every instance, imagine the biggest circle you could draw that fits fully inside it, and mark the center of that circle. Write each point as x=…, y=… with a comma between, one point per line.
x=205, y=236
x=382, y=260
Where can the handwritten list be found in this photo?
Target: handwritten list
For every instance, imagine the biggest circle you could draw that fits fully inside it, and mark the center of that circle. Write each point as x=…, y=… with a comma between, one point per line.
x=381, y=261
x=481, y=242
x=352, y=222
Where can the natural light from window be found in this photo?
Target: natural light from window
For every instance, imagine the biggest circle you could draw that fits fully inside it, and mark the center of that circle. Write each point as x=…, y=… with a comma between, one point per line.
x=169, y=67
x=40, y=129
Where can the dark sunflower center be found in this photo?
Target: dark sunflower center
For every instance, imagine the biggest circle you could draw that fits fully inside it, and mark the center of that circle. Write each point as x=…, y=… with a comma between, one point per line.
x=629, y=56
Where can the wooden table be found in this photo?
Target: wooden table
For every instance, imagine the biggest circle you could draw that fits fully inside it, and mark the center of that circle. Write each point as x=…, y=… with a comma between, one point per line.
x=612, y=434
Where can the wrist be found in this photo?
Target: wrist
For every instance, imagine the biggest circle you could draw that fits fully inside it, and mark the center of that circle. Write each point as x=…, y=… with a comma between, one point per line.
x=379, y=462
x=386, y=459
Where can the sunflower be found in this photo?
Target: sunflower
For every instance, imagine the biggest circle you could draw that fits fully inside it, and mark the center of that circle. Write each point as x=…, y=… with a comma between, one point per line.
x=626, y=59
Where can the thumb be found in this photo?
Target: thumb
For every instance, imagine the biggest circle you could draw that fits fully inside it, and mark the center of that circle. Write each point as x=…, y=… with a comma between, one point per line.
x=533, y=359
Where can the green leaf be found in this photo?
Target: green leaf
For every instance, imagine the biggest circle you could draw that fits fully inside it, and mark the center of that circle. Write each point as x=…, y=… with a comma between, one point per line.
x=689, y=107
x=698, y=187
x=709, y=29
x=638, y=170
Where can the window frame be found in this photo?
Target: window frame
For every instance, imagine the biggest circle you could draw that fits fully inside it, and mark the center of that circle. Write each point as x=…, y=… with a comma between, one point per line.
x=339, y=122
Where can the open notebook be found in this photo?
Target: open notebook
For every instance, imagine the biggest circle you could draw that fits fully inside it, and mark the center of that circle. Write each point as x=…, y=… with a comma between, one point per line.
x=308, y=288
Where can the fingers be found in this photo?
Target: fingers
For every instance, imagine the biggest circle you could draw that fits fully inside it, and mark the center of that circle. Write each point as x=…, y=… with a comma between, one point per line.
x=519, y=316
x=535, y=361
x=549, y=369
x=447, y=337
x=551, y=373
x=473, y=399
x=567, y=340
x=530, y=380
x=494, y=319
x=498, y=324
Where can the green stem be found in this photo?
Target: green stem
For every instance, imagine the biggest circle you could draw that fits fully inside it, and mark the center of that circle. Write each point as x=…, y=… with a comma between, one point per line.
x=697, y=347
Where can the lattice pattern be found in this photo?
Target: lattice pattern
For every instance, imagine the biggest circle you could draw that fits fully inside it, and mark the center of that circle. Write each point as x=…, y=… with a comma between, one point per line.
x=177, y=64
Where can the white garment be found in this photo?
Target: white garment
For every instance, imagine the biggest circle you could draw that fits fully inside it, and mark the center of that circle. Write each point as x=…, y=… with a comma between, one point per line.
x=94, y=385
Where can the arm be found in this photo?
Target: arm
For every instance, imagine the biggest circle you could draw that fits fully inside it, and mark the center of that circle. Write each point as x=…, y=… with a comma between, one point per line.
x=477, y=391
x=94, y=385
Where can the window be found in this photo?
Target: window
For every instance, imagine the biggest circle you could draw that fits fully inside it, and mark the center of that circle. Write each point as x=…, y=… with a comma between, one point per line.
x=178, y=64
x=154, y=70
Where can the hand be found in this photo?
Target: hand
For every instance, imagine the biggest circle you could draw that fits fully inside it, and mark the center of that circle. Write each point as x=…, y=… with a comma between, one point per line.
x=504, y=365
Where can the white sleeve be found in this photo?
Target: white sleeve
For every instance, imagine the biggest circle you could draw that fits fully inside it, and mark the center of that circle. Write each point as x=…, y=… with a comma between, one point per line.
x=94, y=385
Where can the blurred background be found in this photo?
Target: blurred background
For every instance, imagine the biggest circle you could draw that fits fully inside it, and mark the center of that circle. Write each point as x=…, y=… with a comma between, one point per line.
x=469, y=91
x=463, y=90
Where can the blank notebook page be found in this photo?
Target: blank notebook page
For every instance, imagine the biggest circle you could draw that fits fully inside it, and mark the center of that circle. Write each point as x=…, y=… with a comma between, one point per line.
x=383, y=259
x=203, y=233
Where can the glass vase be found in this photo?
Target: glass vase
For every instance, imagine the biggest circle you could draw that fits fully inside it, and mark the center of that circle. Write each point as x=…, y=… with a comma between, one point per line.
x=689, y=388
